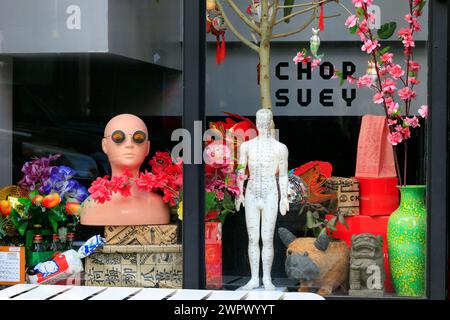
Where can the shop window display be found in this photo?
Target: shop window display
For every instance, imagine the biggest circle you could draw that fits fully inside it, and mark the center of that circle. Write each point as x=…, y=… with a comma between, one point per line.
x=356, y=223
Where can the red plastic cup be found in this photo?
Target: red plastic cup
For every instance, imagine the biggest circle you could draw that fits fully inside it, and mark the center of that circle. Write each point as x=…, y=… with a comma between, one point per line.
x=378, y=196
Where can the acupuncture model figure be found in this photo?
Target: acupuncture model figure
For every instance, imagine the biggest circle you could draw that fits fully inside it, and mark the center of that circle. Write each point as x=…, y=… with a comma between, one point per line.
x=126, y=144
x=265, y=157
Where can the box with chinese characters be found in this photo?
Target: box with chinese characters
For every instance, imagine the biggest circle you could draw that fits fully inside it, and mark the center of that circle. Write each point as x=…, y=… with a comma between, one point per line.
x=141, y=235
x=148, y=266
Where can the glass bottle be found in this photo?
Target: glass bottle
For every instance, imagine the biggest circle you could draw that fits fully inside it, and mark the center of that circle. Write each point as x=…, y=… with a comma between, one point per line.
x=37, y=246
x=56, y=244
x=69, y=241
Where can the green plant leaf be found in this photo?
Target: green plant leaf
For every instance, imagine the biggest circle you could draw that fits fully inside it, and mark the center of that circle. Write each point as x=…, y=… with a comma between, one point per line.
x=360, y=12
x=22, y=228
x=33, y=194
x=228, y=202
x=54, y=223
x=384, y=50
x=387, y=30
x=210, y=201
x=310, y=220
x=25, y=201
x=353, y=29
x=288, y=11
x=332, y=223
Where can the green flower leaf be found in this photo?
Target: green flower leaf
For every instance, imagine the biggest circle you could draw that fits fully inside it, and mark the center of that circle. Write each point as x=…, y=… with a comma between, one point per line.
x=22, y=228
x=210, y=201
x=353, y=29
x=33, y=194
x=384, y=50
x=387, y=30
x=54, y=223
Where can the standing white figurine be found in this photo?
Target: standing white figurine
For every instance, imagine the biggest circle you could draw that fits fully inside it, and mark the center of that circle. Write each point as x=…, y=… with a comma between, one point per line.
x=264, y=156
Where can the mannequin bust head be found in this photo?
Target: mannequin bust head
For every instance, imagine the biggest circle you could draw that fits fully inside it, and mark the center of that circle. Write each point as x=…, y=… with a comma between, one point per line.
x=125, y=142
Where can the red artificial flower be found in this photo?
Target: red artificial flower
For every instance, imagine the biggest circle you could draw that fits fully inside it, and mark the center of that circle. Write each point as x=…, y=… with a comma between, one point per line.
x=160, y=161
x=99, y=190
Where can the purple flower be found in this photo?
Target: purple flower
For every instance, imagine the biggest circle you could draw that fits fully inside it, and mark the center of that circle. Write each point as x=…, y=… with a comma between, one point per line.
x=36, y=172
x=77, y=191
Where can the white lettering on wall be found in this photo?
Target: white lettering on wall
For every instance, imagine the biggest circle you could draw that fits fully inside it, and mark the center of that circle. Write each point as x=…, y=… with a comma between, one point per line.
x=376, y=11
x=73, y=22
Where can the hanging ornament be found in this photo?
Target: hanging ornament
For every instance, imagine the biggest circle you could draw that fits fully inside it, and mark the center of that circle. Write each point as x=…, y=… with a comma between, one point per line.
x=215, y=24
x=321, y=18
x=314, y=43
x=371, y=71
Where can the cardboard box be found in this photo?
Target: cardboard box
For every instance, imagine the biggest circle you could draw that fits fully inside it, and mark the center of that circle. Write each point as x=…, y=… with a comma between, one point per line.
x=141, y=235
x=347, y=194
x=148, y=266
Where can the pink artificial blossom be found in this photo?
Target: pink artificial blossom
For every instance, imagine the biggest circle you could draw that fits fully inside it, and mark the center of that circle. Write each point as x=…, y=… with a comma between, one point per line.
x=413, y=122
x=366, y=81
x=413, y=81
x=408, y=42
x=414, y=66
x=389, y=101
x=370, y=46
x=409, y=18
x=404, y=33
x=392, y=122
x=351, y=79
x=388, y=86
x=378, y=98
x=393, y=109
x=396, y=71
x=406, y=133
x=315, y=63
x=416, y=25
x=351, y=21
x=423, y=111
x=406, y=93
x=360, y=3
x=301, y=58
x=387, y=57
x=362, y=29
x=395, y=138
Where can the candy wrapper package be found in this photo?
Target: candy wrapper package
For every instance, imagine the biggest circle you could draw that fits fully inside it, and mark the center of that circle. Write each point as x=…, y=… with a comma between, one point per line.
x=64, y=264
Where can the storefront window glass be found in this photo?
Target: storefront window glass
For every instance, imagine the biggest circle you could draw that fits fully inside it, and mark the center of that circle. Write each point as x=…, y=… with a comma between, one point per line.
x=90, y=94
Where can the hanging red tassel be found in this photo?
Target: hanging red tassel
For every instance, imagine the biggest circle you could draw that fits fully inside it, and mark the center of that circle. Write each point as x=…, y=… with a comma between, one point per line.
x=218, y=50
x=321, y=18
x=223, y=51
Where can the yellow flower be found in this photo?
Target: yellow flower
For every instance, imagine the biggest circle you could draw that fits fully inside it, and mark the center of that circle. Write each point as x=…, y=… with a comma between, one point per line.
x=180, y=210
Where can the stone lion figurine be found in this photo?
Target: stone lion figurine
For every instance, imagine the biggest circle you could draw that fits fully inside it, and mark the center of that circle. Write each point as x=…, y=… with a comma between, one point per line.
x=366, y=266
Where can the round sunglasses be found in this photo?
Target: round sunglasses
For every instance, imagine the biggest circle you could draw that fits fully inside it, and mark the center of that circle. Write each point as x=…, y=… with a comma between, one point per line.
x=118, y=136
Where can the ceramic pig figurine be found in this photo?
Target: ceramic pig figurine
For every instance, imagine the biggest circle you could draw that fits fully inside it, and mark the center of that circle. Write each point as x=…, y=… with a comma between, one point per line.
x=315, y=262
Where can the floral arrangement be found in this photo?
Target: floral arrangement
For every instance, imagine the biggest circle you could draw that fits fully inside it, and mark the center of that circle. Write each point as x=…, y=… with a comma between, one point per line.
x=220, y=182
x=53, y=196
x=389, y=80
x=166, y=177
x=393, y=84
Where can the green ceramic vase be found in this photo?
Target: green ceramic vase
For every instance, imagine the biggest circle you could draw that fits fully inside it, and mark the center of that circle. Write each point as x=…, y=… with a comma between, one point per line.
x=406, y=235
